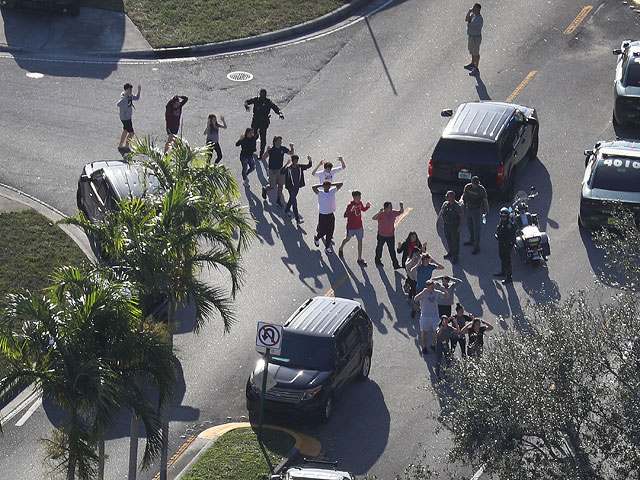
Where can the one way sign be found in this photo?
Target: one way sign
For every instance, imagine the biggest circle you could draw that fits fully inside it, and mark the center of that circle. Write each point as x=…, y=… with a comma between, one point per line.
x=269, y=336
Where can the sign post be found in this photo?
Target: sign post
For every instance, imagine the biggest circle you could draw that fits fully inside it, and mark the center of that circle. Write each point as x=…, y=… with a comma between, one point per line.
x=263, y=392
x=269, y=338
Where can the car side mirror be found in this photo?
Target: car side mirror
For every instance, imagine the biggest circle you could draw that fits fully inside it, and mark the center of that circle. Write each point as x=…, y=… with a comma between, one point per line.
x=532, y=121
x=84, y=178
x=588, y=153
x=617, y=51
x=447, y=112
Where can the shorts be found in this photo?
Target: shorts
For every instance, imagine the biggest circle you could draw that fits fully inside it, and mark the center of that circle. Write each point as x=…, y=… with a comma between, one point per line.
x=127, y=125
x=474, y=45
x=171, y=132
x=359, y=233
x=428, y=323
x=276, y=178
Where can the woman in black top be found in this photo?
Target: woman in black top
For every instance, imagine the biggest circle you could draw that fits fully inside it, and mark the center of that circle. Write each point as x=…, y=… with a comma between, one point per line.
x=406, y=248
x=247, y=144
x=447, y=327
x=463, y=319
x=476, y=330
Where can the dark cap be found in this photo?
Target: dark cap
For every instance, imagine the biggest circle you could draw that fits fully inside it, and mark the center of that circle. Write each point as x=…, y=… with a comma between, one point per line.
x=475, y=180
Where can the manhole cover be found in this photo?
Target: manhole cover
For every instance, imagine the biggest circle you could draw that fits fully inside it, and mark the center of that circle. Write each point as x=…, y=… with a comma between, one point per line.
x=240, y=76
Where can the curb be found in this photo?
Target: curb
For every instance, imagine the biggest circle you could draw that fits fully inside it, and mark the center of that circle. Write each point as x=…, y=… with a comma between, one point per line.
x=305, y=444
x=226, y=46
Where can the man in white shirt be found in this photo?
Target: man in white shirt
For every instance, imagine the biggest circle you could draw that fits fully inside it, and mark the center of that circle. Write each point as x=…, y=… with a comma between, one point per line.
x=328, y=170
x=326, y=212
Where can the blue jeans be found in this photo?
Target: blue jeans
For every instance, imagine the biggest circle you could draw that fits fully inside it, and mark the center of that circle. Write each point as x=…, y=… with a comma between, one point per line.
x=293, y=202
x=474, y=222
x=248, y=165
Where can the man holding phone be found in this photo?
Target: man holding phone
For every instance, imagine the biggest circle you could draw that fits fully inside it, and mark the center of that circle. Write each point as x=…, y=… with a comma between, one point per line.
x=474, y=32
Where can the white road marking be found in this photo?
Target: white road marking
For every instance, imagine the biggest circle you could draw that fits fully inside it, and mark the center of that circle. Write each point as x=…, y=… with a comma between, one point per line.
x=476, y=476
x=18, y=404
x=29, y=412
x=35, y=75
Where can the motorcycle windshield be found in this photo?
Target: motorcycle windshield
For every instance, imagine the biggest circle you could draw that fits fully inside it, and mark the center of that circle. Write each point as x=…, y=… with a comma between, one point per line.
x=521, y=199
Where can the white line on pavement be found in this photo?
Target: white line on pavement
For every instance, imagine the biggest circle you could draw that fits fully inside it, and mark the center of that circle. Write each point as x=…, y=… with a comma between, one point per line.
x=15, y=406
x=29, y=412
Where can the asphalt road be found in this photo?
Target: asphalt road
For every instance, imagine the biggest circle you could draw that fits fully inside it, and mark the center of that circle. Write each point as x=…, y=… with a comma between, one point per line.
x=372, y=93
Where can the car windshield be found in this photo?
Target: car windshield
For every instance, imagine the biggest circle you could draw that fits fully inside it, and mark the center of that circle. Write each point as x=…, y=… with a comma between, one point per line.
x=305, y=351
x=465, y=152
x=617, y=173
x=633, y=74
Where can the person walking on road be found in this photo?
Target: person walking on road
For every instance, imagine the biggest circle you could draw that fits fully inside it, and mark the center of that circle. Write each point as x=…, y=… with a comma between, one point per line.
x=506, y=235
x=474, y=33
x=425, y=269
x=353, y=214
x=406, y=248
x=459, y=338
x=328, y=170
x=326, y=213
x=428, y=298
x=212, y=140
x=293, y=182
x=247, y=144
x=447, y=328
x=386, y=219
x=452, y=216
x=125, y=104
x=412, y=279
x=474, y=197
x=172, y=114
x=449, y=284
x=275, y=154
x=262, y=107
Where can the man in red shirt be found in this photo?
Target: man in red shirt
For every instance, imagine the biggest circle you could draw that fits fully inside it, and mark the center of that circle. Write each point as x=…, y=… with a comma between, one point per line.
x=353, y=214
x=386, y=218
x=172, y=113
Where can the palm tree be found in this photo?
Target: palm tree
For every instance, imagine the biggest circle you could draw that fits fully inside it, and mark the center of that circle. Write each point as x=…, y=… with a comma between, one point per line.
x=163, y=240
x=78, y=344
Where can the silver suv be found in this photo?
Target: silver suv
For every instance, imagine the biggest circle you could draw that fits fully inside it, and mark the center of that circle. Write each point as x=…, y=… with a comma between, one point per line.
x=314, y=473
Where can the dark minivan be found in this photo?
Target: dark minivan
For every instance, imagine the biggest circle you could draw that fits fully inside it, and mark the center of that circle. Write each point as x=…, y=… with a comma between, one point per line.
x=492, y=140
x=326, y=343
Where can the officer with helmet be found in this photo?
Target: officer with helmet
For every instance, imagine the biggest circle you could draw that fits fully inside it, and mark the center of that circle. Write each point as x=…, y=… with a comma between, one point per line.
x=506, y=235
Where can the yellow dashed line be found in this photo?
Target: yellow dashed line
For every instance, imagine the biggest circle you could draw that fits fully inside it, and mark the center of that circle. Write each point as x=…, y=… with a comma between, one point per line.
x=578, y=20
x=520, y=87
x=176, y=455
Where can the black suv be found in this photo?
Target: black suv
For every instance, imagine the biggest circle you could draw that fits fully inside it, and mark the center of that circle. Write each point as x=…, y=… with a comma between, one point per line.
x=327, y=342
x=487, y=139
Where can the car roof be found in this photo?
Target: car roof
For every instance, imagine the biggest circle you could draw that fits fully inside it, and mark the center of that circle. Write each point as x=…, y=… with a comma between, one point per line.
x=321, y=316
x=126, y=179
x=623, y=148
x=318, y=473
x=479, y=121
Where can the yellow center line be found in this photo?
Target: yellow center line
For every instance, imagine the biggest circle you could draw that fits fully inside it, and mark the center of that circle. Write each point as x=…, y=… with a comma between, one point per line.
x=342, y=280
x=520, y=87
x=578, y=20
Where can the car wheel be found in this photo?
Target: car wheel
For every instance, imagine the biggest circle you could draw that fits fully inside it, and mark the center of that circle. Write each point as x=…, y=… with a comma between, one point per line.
x=365, y=367
x=327, y=409
x=615, y=121
x=532, y=154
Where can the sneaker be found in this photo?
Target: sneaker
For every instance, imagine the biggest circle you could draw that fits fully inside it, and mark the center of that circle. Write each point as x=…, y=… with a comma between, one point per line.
x=329, y=250
x=425, y=350
x=340, y=253
x=475, y=251
x=264, y=193
x=471, y=66
x=316, y=241
x=299, y=221
x=474, y=72
x=379, y=263
x=362, y=262
x=469, y=243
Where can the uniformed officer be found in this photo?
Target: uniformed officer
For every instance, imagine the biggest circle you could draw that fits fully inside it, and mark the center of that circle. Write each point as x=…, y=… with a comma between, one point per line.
x=452, y=215
x=262, y=107
x=506, y=235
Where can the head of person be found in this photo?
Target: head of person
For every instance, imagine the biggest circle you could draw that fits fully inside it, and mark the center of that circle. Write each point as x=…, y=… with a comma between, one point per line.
x=326, y=185
x=128, y=88
x=444, y=321
x=476, y=8
x=263, y=93
x=475, y=326
x=175, y=101
x=450, y=196
x=445, y=280
x=412, y=237
x=294, y=159
x=277, y=141
x=475, y=180
x=248, y=132
x=459, y=309
x=387, y=206
x=425, y=259
x=504, y=214
x=212, y=118
x=328, y=166
x=356, y=195
x=431, y=285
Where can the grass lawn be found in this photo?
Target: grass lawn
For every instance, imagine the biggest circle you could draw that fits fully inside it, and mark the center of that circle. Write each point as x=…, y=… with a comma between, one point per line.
x=31, y=248
x=237, y=456
x=172, y=23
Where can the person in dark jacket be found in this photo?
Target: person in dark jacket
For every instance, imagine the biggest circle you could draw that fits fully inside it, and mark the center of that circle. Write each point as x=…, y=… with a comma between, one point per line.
x=506, y=235
x=172, y=114
x=452, y=215
x=247, y=144
x=293, y=182
x=407, y=247
x=262, y=107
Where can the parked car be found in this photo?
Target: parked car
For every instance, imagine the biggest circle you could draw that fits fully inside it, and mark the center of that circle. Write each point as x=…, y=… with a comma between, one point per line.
x=72, y=7
x=326, y=343
x=319, y=472
x=612, y=174
x=626, y=89
x=492, y=140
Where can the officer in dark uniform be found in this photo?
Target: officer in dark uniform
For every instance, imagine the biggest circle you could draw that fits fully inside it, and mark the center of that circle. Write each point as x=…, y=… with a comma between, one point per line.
x=452, y=215
x=506, y=235
x=262, y=107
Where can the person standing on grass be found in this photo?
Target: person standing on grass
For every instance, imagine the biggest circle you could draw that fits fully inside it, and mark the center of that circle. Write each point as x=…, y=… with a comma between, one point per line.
x=353, y=214
x=386, y=219
x=449, y=284
x=293, y=182
x=328, y=170
x=326, y=213
x=172, y=114
x=247, y=144
x=474, y=37
x=452, y=215
x=275, y=154
x=425, y=269
x=474, y=197
x=213, y=138
x=428, y=298
x=262, y=107
x=125, y=104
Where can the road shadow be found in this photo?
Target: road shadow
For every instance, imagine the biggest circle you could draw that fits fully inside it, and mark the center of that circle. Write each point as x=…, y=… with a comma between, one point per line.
x=481, y=89
x=381, y=57
x=598, y=262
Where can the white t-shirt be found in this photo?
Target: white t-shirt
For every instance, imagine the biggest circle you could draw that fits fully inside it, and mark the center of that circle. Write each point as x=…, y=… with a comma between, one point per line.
x=429, y=306
x=322, y=175
x=327, y=201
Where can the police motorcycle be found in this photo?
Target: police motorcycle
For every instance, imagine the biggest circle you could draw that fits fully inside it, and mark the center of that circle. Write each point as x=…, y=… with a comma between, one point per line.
x=531, y=244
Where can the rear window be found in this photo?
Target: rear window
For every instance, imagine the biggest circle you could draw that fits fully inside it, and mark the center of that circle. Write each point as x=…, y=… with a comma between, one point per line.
x=305, y=351
x=449, y=150
x=633, y=73
x=617, y=173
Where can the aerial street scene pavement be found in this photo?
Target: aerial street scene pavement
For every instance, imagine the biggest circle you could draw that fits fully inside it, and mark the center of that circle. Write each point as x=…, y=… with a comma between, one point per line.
x=319, y=239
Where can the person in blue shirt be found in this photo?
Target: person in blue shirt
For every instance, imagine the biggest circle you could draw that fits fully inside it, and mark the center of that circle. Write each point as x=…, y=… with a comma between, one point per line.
x=424, y=270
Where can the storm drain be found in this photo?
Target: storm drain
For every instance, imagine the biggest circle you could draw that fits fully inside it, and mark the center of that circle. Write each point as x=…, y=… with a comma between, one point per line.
x=240, y=76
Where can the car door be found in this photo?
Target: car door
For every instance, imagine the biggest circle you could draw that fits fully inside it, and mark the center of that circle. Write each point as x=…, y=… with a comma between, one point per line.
x=349, y=354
